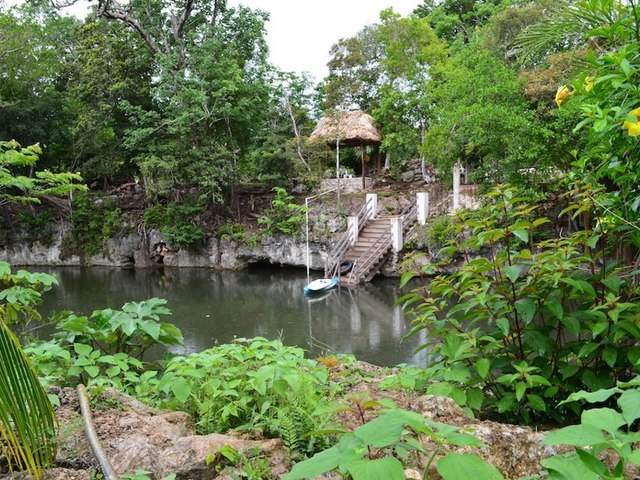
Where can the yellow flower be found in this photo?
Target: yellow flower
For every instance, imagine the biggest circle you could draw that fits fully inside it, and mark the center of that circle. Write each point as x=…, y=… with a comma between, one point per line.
x=633, y=128
x=562, y=94
x=588, y=83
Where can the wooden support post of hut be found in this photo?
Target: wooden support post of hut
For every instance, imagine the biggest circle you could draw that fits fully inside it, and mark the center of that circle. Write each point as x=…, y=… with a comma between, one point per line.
x=349, y=129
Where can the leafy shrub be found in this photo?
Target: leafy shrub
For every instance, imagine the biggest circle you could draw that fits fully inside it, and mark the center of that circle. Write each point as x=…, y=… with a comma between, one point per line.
x=284, y=216
x=233, y=231
x=600, y=430
x=21, y=293
x=105, y=349
x=522, y=324
x=181, y=224
x=378, y=449
x=438, y=233
x=94, y=221
x=36, y=225
x=252, y=384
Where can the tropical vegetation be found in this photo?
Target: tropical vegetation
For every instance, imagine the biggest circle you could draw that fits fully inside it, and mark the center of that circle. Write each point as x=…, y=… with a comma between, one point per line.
x=530, y=304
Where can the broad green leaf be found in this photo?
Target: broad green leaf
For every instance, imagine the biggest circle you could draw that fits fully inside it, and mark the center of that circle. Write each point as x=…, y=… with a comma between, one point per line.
x=604, y=418
x=526, y=308
x=442, y=389
x=151, y=328
x=512, y=272
x=609, y=355
x=522, y=235
x=555, y=307
x=635, y=457
x=406, y=277
x=629, y=403
x=463, y=466
x=572, y=324
x=576, y=435
x=181, y=388
x=567, y=467
x=503, y=325
x=591, y=397
x=82, y=349
x=317, y=465
x=482, y=366
x=537, y=403
x=387, y=468
x=382, y=431
x=521, y=388
x=93, y=371
x=592, y=463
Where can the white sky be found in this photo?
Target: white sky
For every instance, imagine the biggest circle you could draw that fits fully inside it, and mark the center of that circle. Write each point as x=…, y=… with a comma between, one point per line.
x=301, y=32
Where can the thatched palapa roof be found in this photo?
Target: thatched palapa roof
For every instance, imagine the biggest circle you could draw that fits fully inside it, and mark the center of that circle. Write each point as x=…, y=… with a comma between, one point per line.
x=354, y=129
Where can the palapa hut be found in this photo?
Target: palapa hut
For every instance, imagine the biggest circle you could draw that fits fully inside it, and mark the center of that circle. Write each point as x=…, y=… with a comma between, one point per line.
x=348, y=129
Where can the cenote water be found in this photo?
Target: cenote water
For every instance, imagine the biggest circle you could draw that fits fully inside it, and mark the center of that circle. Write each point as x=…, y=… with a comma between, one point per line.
x=214, y=307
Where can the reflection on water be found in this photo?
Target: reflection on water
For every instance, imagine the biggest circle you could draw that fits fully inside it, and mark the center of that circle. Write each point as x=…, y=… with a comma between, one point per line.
x=214, y=307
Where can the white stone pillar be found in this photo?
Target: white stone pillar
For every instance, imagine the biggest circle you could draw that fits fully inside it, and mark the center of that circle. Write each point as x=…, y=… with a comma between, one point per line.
x=372, y=204
x=422, y=199
x=396, y=234
x=456, y=187
x=352, y=227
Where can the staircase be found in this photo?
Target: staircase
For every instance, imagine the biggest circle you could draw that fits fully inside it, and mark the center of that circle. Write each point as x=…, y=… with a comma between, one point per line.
x=370, y=251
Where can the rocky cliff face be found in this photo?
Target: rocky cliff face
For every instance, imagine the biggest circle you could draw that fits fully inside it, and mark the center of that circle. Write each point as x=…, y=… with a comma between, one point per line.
x=150, y=249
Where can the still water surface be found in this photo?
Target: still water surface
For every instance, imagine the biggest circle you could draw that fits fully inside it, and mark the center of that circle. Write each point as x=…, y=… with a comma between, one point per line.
x=214, y=307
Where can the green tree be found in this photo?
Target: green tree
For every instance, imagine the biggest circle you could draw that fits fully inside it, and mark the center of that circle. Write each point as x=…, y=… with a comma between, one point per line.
x=456, y=20
x=109, y=65
x=34, y=49
x=19, y=188
x=411, y=50
x=386, y=68
x=27, y=420
x=204, y=114
x=482, y=119
x=605, y=91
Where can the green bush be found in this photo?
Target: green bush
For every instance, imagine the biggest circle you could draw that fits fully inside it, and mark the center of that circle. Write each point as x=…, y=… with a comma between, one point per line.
x=233, y=231
x=521, y=324
x=383, y=447
x=105, y=349
x=600, y=430
x=93, y=222
x=250, y=384
x=181, y=224
x=284, y=216
x=36, y=225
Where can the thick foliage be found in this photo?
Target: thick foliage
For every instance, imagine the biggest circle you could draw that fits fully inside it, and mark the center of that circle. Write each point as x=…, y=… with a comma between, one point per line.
x=94, y=221
x=180, y=223
x=284, y=216
x=27, y=420
x=16, y=186
x=522, y=323
x=105, y=349
x=382, y=448
x=601, y=430
x=250, y=385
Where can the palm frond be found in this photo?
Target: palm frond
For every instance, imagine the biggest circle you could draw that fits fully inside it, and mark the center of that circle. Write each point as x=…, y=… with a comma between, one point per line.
x=570, y=24
x=27, y=419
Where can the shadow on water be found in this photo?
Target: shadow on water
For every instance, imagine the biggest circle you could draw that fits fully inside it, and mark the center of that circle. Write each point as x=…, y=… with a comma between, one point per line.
x=214, y=307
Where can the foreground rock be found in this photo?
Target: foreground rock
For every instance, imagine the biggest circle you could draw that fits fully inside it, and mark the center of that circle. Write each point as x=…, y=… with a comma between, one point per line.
x=137, y=437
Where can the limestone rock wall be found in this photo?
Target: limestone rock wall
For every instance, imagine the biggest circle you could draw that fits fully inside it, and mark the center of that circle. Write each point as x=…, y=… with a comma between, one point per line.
x=150, y=249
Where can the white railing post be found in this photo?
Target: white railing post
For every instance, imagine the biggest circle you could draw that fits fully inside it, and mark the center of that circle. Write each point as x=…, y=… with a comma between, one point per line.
x=352, y=226
x=456, y=186
x=422, y=199
x=372, y=205
x=396, y=233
